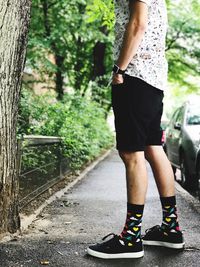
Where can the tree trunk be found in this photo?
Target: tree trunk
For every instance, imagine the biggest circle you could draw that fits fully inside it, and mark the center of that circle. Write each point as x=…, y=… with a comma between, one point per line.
x=14, y=22
x=78, y=64
x=99, y=56
x=59, y=76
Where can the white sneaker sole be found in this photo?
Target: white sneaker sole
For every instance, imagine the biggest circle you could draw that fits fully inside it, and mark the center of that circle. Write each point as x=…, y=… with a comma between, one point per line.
x=116, y=255
x=164, y=244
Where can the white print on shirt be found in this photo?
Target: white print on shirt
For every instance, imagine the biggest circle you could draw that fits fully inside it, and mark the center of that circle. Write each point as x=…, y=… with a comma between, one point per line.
x=149, y=63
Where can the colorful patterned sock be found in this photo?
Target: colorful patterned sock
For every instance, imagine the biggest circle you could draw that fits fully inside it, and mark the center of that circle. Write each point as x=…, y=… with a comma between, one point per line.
x=132, y=229
x=170, y=220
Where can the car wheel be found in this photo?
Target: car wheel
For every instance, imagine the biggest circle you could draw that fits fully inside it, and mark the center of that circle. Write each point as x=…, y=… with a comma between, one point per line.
x=184, y=171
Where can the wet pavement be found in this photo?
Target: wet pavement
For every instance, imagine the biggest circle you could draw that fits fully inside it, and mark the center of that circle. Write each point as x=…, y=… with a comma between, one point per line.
x=94, y=207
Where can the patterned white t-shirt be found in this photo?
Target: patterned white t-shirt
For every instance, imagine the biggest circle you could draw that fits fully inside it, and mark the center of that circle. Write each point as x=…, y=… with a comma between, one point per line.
x=149, y=63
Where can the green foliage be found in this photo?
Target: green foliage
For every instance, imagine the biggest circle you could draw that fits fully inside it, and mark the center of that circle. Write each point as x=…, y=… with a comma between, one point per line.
x=84, y=132
x=40, y=114
x=183, y=42
x=69, y=30
x=101, y=92
x=101, y=11
x=79, y=121
x=40, y=158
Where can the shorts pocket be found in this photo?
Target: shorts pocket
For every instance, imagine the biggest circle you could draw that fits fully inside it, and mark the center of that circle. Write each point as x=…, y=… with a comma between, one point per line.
x=117, y=93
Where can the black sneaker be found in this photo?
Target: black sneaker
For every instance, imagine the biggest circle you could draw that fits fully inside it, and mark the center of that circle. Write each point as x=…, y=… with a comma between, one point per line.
x=155, y=236
x=115, y=249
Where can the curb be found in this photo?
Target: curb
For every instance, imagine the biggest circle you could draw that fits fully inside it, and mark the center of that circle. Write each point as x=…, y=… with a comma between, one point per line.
x=27, y=220
x=189, y=198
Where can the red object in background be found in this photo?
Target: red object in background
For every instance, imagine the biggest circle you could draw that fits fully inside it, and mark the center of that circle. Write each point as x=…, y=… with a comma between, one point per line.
x=163, y=140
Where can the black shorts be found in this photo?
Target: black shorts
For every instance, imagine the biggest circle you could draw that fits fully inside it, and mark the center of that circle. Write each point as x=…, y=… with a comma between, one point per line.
x=137, y=108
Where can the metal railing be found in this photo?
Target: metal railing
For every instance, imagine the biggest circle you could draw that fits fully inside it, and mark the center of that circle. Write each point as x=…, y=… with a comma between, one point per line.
x=42, y=165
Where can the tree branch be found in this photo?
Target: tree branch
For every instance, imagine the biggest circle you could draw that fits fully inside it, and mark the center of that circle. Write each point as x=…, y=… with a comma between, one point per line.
x=170, y=45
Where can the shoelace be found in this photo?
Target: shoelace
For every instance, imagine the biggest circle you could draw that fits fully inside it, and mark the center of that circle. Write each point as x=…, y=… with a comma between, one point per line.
x=108, y=236
x=154, y=228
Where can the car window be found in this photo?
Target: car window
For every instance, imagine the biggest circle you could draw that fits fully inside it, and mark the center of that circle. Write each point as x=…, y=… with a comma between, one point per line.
x=175, y=115
x=193, y=115
x=179, y=117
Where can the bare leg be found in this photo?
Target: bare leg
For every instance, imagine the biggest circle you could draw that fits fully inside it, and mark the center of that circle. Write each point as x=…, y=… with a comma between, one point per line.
x=164, y=178
x=136, y=176
x=162, y=170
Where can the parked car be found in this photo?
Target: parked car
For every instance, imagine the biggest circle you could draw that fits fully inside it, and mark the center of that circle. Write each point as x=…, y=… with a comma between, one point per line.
x=164, y=126
x=183, y=142
x=197, y=164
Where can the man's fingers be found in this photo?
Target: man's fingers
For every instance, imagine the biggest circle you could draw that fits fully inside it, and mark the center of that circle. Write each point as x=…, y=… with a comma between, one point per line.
x=117, y=79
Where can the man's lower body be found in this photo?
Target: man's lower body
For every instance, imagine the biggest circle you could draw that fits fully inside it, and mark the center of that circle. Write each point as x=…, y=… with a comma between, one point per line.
x=138, y=109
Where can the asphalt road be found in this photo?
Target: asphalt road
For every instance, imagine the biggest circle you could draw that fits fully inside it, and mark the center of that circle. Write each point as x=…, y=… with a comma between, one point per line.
x=94, y=207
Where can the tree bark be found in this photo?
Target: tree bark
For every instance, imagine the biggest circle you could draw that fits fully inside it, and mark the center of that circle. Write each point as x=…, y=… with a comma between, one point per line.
x=99, y=56
x=59, y=76
x=14, y=22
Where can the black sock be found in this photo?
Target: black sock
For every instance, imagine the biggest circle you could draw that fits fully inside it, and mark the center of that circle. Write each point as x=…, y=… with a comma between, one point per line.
x=170, y=220
x=132, y=229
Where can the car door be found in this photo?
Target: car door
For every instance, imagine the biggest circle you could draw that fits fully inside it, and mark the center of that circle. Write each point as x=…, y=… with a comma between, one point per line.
x=172, y=137
x=177, y=135
x=169, y=136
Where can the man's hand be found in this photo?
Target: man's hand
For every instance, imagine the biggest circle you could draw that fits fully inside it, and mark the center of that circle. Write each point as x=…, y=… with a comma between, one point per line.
x=117, y=78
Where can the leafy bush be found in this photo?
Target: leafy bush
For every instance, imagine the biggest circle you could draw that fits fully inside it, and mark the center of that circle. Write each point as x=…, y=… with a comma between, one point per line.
x=85, y=132
x=79, y=121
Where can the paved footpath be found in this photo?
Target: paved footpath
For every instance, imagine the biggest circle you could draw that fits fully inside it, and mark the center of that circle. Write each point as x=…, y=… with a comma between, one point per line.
x=95, y=207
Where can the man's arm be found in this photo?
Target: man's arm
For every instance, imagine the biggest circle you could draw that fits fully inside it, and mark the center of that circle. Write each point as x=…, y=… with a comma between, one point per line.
x=133, y=35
